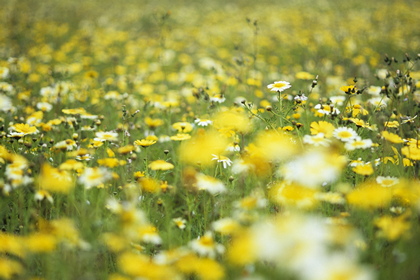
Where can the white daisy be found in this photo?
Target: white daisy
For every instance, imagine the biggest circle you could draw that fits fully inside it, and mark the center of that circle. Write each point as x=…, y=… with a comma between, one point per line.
x=279, y=86
x=345, y=134
x=317, y=140
x=203, y=122
x=224, y=160
x=387, y=181
x=358, y=143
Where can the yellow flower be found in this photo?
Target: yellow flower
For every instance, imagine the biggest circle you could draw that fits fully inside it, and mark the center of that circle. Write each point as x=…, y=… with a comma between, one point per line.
x=41, y=242
x=363, y=169
x=392, y=228
x=392, y=137
x=304, y=76
x=139, y=174
x=199, y=149
x=293, y=195
x=153, y=123
x=149, y=185
x=348, y=89
x=11, y=244
x=275, y=146
x=412, y=151
x=243, y=249
x=182, y=127
x=55, y=180
x=393, y=124
x=111, y=162
x=140, y=266
x=9, y=268
x=160, y=165
x=233, y=119
x=71, y=164
x=370, y=195
x=76, y=111
x=114, y=242
x=358, y=122
x=126, y=149
x=22, y=129
x=204, y=268
x=181, y=137
x=144, y=143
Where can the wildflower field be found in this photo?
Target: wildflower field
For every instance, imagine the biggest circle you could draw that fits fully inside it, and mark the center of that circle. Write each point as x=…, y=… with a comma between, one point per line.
x=209, y=139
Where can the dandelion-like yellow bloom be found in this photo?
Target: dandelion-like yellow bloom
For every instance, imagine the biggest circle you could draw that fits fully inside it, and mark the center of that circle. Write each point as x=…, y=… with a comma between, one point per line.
x=182, y=127
x=149, y=185
x=144, y=143
x=24, y=129
x=153, y=123
x=348, y=89
x=412, y=151
x=363, y=169
x=161, y=165
x=181, y=137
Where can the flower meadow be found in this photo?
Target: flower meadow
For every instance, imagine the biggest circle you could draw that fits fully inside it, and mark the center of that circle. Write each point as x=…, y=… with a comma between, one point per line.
x=209, y=140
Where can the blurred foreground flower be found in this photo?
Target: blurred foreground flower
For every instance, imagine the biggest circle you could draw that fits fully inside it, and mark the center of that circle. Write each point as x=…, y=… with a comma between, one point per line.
x=303, y=171
x=200, y=148
x=55, y=180
x=94, y=177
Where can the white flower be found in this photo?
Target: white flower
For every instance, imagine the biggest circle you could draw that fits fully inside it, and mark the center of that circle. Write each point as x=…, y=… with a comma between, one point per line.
x=5, y=103
x=374, y=90
x=4, y=72
x=206, y=246
x=326, y=109
x=180, y=222
x=279, y=86
x=44, y=106
x=203, y=122
x=218, y=98
x=210, y=184
x=345, y=134
x=317, y=140
x=224, y=160
x=358, y=143
x=378, y=102
x=6, y=87
x=300, y=98
x=338, y=100
x=233, y=147
x=94, y=176
x=106, y=136
x=313, y=168
x=387, y=181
